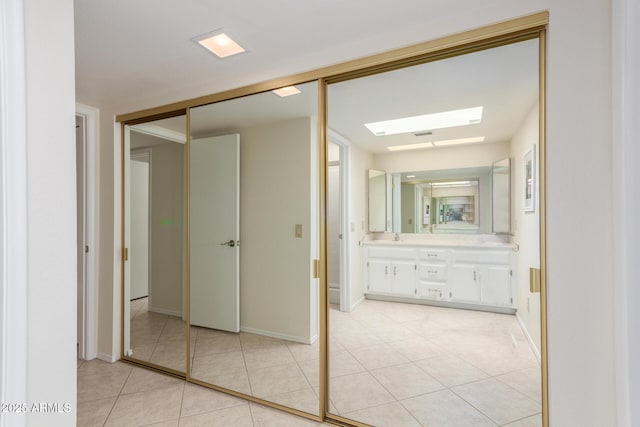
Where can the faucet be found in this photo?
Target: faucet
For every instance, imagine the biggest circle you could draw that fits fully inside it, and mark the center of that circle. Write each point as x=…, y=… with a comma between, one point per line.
x=396, y=237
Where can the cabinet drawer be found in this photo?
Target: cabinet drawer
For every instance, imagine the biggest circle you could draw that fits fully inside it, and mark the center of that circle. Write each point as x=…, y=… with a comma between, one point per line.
x=483, y=257
x=433, y=271
x=394, y=253
x=431, y=290
x=432, y=255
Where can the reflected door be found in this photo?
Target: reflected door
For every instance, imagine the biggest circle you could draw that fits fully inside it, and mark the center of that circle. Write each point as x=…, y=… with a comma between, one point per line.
x=215, y=229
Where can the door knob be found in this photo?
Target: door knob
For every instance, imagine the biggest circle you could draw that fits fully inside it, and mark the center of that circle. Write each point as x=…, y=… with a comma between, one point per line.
x=231, y=243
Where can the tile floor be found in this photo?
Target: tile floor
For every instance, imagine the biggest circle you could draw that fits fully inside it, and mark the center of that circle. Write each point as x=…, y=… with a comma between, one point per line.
x=395, y=364
x=390, y=364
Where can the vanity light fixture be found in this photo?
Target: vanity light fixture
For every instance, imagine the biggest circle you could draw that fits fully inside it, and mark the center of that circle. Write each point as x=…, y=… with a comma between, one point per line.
x=445, y=119
x=286, y=91
x=219, y=44
x=411, y=176
x=432, y=144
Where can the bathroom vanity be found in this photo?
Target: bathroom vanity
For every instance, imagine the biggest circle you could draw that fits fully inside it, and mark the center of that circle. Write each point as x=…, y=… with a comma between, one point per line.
x=462, y=273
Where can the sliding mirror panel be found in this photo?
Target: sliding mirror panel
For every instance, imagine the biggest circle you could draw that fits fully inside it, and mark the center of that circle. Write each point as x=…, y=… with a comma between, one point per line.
x=253, y=235
x=155, y=271
x=436, y=322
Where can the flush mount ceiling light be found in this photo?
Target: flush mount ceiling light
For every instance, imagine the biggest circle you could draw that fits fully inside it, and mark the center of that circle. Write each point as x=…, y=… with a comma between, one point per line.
x=432, y=144
x=446, y=119
x=286, y=91
x=219, y=44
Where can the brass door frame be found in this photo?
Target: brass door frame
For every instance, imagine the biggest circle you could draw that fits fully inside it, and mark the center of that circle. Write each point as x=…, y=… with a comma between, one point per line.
x=502, y=33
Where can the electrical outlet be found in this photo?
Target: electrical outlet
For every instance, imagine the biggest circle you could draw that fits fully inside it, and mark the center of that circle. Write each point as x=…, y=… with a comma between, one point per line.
x=299, y=231
x=528, y=304
x=353, y=227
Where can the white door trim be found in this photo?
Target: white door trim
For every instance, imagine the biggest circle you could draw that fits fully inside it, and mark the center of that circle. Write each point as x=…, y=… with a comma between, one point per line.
x=89, y=341
x=626, y=198
x=345, y=284
x=13, y=210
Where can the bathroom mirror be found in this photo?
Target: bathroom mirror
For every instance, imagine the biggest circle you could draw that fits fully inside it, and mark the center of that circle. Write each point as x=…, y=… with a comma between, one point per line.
x=377, y=200
x=501, y=196
x=155, y=271
x=254, y=227
x=445, y=201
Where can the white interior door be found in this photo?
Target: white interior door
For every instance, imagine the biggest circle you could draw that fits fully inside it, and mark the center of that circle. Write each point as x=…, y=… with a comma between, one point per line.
x=214, y=232
x=81, y=230
x=139, y=250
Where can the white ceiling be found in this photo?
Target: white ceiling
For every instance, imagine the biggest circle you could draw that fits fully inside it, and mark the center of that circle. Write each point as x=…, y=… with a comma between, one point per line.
x=134, y=55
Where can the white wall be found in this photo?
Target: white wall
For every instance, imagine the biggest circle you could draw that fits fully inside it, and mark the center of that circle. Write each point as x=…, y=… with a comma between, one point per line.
x=462, y=156
x=51, y=215
x=580, y=311
x=525, y=227
x=275, y=193
x=359, y=162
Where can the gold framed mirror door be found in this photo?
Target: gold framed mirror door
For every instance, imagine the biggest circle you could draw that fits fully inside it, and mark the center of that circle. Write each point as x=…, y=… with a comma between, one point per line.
x=224, y=114
x=154, y=233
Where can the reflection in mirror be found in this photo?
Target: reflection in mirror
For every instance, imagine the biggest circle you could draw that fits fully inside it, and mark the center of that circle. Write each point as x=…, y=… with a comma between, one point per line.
x=426, y=331
x=155, y=327
x=377, y=201
x=501, y=196
x=253, y=234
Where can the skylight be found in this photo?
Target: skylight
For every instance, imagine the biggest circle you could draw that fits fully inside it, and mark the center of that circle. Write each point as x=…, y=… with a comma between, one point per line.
x=446, y=119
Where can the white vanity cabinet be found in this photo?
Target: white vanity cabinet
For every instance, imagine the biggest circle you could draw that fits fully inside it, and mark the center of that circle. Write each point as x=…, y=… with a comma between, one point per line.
x=391, y=271
x=466, y=276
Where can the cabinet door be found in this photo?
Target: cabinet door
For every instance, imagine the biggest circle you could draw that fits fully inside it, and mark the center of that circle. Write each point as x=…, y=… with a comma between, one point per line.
x=463, y=282
x=379, y=278
x=403, y=278
x=495, y=283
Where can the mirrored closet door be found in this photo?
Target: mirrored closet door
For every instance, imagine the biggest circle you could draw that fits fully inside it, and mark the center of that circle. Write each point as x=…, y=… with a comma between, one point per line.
x=154, y=308
x=254, y=305
x=436, y=324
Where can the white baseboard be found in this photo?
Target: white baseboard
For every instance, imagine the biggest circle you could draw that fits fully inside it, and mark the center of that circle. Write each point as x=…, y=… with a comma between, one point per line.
x=271, y=334
x=107, y=357
x=532, y=344
x=357, y=303
x=163, y=311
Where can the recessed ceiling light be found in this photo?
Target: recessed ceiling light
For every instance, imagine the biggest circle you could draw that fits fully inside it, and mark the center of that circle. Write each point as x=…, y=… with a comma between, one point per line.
x=286, y=91
x=458, y=141
x=219, y=44
x=436, y=143
x=446, y=119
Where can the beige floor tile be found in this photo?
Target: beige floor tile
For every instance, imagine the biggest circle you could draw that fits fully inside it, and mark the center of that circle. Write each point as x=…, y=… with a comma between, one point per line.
x=304, y=400
x=237, y=416
x=444, y=408
x=170, y=423
x=451, y=371
x=97, y=366
x=302, y=352
x=143, y=380
x=217, y=364
x=218, y=343
x=277, y=380
x=353, y=340
x=198, y=400
x=143, y=351
x=146, y=407
x=237, y=382
x=388, y=415
x=265, y=357
x=357, y=391
x=343, y=363
x=268, y=417
x=311, y=370
x=95, y=412
x=100, y=386
x=527, y=382
x=417, y=348
x=533, y=421
x=378, y=356
x=407, y=380
x=497, y=400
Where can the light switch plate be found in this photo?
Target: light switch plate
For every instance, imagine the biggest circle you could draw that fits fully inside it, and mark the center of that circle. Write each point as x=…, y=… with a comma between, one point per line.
x=299, y=230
